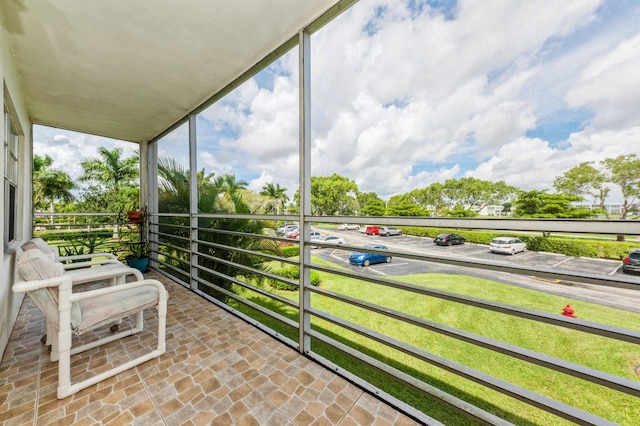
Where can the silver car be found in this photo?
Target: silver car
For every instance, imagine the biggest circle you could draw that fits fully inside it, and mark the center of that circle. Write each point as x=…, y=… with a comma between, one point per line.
x=387, y=231
x=507, y=245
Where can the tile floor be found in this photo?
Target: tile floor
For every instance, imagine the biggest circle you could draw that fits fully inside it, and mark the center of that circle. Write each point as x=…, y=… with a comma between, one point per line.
x=218, y=370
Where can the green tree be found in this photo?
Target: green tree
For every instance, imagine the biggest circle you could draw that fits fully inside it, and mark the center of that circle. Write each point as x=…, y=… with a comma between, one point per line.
x=332, y=195
x=584, y=180
x=369, y=204
x=430, y=198
x=276, y=197
x=403, y=205
x=469, y=193
x=174, y=184
x=108, y=174
x=540, y=204
x=624, y=172
x=50, y=185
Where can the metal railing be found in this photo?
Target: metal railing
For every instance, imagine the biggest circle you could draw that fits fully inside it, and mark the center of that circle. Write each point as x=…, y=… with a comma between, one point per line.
x=77, y=233
x=204, y=259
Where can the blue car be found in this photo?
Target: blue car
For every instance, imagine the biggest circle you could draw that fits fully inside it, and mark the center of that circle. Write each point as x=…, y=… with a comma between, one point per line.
x=366, y=259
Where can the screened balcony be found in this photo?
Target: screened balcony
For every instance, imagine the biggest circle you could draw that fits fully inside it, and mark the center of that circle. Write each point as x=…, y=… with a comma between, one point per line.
x=217, y=370
x=266, y=329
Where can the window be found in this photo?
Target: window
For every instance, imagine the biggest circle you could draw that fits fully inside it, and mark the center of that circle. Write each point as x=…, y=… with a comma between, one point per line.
x=10, y=178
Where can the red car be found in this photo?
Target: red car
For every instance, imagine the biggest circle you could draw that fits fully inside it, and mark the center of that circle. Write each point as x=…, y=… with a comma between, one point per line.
x=372, y=230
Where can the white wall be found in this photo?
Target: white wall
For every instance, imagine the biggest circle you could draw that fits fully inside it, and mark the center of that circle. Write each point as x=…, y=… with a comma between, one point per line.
x=11, y=96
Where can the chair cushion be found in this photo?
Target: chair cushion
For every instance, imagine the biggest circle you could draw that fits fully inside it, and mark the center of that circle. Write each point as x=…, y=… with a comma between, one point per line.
x=34, y=265
x=40, y=244
x=101, y=310
x=84, y=275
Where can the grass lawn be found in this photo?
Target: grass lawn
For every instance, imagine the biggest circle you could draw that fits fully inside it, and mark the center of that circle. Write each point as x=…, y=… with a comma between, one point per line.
x=618, y=358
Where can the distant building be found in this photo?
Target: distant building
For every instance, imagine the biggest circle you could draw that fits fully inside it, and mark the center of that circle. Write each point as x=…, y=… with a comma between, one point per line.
x=493, y=211
x=614, y=209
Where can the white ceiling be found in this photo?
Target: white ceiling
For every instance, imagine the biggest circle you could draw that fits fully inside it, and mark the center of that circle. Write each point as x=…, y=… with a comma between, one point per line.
x=130, y=69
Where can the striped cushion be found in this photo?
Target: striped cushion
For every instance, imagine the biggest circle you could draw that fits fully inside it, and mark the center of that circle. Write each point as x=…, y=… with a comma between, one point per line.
x=101, y=310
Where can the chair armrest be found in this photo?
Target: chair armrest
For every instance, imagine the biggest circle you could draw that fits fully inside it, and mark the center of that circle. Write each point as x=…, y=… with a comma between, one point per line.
x=26, y=286
x=77, y=265
x=88, y=256
x=162, y=291
x=97, y=274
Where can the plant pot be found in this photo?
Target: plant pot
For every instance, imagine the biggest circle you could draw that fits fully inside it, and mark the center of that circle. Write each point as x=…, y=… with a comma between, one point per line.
x=135, y=216
x=141, y=264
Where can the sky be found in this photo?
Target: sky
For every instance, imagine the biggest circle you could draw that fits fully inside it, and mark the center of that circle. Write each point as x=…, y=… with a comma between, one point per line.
x=408, y=93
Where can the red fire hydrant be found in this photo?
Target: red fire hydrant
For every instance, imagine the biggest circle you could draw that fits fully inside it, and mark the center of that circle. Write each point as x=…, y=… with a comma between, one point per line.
x=569, y=312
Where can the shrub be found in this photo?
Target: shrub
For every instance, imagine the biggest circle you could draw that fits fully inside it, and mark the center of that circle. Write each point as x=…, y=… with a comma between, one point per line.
x=578, y=247
x=292, y=272
x=290, y=251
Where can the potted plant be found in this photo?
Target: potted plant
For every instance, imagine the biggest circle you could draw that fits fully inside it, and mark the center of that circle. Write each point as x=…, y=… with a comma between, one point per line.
x=134, y=216
x=137, y=255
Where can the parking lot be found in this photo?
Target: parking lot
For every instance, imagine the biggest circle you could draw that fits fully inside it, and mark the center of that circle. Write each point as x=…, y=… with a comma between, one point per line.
x=626, y=299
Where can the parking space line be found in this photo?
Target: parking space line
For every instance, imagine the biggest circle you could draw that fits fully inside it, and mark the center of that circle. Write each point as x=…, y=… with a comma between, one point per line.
x=615, y=271
x=560, y=263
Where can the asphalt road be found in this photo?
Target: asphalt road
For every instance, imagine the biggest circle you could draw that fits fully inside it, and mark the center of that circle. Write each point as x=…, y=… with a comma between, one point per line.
x=614, y=297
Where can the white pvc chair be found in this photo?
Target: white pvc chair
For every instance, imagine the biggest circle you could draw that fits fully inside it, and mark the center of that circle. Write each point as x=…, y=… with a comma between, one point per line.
x=68, y=312
x=85, y=268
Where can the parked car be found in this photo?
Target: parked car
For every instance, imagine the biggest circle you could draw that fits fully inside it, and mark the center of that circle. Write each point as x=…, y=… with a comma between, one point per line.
x=387, y=231
x=372, y=230
x=282, y=230
x=448, y=239
x=366, y=259
x=329, y=239
x=291, y=232
x=348, y=227
x=296, y=235
x=631, y=263
x=507, y=245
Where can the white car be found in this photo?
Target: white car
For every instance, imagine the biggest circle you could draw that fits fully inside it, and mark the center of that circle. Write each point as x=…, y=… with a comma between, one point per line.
x=507, y=245
x=329, y=239
x=348, y=227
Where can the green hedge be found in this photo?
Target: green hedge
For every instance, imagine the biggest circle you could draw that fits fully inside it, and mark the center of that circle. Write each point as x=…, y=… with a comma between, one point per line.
x=578, y=247
x=290, y=251
x=291, y=272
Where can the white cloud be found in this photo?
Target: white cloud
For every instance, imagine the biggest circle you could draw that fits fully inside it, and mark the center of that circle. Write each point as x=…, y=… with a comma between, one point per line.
x=68, y=149
x=610, y=86
x=401, y=99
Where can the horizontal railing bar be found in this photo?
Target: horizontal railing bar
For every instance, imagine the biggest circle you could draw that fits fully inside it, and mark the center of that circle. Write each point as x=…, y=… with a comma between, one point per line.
x=564, y=226
x=554, y=319
x=249, y=320
x=249, y=252
x=245, y=251
x=247, y=234
x=171, y=225
x=594, y=376
x=170, y=256
x=152, y=214
x=177, y=248
x=251, y=287
x=170, y=266
x=43, y=214
x=166, y=274
x=555, y=407
x=252, y=305
x=601, y=280
x=434, y=393
x=164, y=234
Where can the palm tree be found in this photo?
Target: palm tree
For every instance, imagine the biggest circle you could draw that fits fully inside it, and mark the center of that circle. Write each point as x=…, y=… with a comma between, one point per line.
x=215, y=195
x=111, y=172
x=277, y=195
x=173, y=188
x=49, y=184
x=53, y=185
